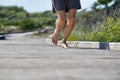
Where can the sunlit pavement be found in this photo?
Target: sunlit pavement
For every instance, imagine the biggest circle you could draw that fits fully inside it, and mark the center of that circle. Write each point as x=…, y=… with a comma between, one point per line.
x=25, y=58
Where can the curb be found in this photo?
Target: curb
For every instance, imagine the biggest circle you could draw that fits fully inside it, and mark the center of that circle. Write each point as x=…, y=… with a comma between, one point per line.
x=89, y=44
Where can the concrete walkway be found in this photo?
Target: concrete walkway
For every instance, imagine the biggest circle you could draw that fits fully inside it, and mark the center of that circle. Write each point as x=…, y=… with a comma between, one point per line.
x=24, y=58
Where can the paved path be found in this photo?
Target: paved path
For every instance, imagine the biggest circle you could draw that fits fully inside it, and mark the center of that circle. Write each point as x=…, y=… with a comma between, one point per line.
x=24, y=58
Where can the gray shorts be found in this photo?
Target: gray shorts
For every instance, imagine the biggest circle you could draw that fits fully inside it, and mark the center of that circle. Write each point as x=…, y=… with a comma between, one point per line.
x=65, y=5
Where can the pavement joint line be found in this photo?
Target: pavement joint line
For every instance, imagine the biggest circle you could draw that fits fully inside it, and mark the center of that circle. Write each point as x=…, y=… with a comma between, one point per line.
x=90, y=44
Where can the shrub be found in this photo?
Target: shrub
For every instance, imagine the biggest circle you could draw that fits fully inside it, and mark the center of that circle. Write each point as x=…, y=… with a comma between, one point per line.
x=109, y=31
x=73, y=37
x=114, y=31
x=1, y=28
x=29, y=24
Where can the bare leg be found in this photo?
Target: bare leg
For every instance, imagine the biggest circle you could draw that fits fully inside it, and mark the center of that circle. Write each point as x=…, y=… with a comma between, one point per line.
x=69, y=27
x=60, y=22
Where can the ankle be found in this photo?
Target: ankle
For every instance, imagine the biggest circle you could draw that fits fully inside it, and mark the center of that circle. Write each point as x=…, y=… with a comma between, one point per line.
x=55, y=34
x=63, y=41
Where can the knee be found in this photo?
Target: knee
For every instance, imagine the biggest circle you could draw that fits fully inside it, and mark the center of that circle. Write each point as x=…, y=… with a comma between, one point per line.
x=71, y=17
x=61, y=20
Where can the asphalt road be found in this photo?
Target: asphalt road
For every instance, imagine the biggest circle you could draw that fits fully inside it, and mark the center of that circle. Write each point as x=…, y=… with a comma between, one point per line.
x=25, y=58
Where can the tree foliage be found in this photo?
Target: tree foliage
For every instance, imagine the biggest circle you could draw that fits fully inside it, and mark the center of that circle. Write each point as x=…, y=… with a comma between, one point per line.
x=104, y=2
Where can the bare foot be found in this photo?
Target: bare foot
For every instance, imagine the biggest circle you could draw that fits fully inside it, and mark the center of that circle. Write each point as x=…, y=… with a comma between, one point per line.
x=64, y=45
x=54, y=39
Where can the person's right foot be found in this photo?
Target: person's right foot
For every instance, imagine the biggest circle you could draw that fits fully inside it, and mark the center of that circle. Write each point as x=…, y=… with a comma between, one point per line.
x=54, y=39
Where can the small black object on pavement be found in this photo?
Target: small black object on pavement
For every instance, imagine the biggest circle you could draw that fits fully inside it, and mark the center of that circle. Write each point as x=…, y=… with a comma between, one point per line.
x=2, y=37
